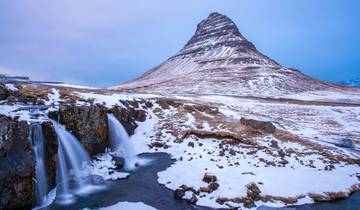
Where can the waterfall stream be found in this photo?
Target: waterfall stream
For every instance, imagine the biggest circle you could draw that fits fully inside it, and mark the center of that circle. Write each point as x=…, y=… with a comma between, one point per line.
x=37, y=142
x=121, y=144
x=72, y=158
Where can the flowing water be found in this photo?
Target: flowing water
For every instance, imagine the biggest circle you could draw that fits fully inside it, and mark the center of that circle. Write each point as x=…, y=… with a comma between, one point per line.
x=72, y=158
x=120, y=143
x=37, y=142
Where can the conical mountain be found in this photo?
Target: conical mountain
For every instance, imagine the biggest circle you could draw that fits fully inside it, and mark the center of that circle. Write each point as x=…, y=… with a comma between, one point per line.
x=218, y=59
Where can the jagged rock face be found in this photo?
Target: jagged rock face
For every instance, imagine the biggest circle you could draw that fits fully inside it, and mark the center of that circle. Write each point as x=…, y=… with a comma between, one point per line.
x=129, y=115
x=51, y=145
x=215, y=31
x=89, y=124
x=219, y=60
x=4, y=93
x=17, y=164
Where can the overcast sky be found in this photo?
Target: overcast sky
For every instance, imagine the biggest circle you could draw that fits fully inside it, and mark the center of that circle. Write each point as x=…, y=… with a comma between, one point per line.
x=106, y=42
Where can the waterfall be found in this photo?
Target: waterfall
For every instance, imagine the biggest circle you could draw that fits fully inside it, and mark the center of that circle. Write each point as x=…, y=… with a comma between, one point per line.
x=72, y=158
x=120, y=143
x=37, y=142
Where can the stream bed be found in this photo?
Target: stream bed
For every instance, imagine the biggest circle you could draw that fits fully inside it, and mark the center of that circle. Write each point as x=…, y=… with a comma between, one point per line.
x=142, y=186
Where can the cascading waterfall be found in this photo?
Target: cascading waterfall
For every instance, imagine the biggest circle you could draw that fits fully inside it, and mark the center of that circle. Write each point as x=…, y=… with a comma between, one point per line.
x=120, y=142
x=72, y=158
x=37, y=142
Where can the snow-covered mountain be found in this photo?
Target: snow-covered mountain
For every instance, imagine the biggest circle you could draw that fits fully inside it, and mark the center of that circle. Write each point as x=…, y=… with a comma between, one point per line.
x=218, y=59
x=355, y=82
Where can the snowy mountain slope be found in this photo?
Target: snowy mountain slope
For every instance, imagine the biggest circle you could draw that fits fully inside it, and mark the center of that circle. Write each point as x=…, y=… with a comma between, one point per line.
x=219, y=60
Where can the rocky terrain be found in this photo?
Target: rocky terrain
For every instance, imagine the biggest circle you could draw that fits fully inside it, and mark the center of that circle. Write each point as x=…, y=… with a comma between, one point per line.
x=243, y=130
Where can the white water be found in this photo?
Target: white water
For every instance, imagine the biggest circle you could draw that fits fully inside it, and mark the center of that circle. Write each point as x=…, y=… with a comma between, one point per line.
x=37, y=142
x=121, y=144
x=72, y=159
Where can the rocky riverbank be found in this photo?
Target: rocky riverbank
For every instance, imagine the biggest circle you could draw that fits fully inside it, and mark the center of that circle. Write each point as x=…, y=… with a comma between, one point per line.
x=26, y=104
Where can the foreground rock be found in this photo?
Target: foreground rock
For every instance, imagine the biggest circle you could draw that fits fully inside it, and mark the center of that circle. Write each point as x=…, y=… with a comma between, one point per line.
x=17, y=164
x=89, y=124
x=266, y=127
x=129, y=115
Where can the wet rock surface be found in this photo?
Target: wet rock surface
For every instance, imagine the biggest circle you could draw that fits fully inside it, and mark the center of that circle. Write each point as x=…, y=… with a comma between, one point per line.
x=89, y=124
x=129, y=114
x=17, y=164
x=51, y=148
x=119, y=161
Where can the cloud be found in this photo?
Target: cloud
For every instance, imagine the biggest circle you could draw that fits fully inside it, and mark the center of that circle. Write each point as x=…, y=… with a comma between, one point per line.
x=85, y=41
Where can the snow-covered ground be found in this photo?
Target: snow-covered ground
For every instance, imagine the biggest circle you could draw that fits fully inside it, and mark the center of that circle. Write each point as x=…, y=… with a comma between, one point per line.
x=352, y=96
x=305, y=171
x=296, y=168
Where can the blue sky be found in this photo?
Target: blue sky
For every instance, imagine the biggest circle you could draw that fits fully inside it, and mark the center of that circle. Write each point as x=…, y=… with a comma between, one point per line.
x=106, y=42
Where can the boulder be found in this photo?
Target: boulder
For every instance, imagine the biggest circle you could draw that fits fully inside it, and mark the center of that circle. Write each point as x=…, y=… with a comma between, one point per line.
x=253, y=191
x=179, y=193
x=119, y=161
x=193, y=199
x=210, y=188
x=157, y=144
x=264, y=126
x=209, y=178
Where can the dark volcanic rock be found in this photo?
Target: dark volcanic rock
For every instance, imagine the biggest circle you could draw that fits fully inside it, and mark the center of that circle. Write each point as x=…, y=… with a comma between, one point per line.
x=89, y=124
x=253, y=191
x=210, y=188
x=17, y=164
x=129, y=115
x=119, y=161
x=264, y=126
x=179, y=193
x=50, y=150
x=4, y=93
x=209, y=178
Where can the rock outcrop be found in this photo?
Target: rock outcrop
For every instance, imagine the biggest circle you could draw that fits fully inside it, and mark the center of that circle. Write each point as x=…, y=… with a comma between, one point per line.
x=51, y=148
x=4, y=93
x=89, y=124
x=17, y=164
x=264, y=126
x=129, y=114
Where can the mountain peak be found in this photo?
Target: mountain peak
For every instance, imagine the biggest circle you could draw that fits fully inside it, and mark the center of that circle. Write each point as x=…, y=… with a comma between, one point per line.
x=215, y=31
x=218, y=59
x=217, y=23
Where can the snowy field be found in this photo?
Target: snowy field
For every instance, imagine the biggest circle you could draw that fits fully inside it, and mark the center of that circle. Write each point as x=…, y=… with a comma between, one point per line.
x=299, y=163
